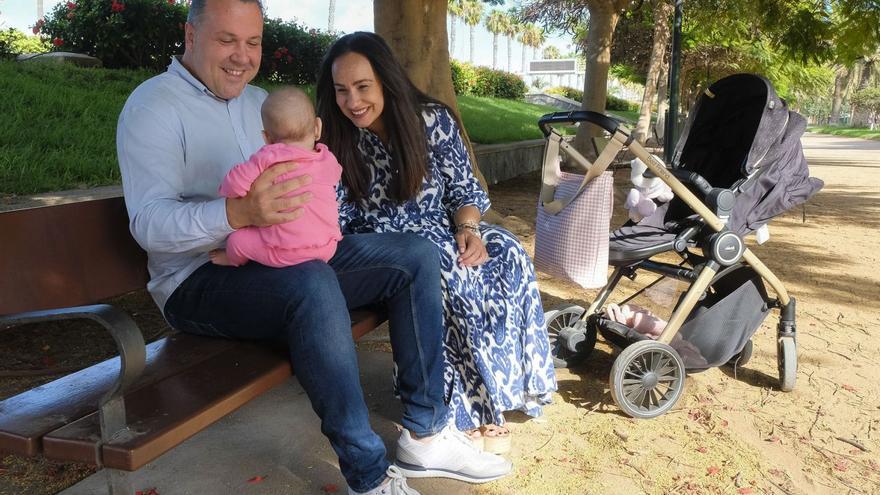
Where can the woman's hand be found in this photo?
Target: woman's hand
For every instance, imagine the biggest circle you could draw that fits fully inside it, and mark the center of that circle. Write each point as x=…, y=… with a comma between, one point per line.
x=471, y=250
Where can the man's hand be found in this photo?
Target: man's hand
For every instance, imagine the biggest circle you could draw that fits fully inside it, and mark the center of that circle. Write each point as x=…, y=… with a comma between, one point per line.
x=265, y=204
x=471, y=250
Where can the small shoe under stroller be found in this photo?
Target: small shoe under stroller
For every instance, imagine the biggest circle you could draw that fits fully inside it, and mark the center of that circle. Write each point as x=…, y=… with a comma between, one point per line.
x=737, y=164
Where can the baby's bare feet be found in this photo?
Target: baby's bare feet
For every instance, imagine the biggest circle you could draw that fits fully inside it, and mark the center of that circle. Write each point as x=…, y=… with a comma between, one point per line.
x=218, y=257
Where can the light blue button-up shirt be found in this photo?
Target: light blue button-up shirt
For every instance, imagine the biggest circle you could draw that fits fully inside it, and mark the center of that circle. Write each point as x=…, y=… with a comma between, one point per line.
x=175, y=141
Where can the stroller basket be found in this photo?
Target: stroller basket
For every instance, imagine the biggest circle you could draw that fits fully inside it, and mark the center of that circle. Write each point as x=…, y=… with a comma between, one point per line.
x=720, y=325
x=717, y=328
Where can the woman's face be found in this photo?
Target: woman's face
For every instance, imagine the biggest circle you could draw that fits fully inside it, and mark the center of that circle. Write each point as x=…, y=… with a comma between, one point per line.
x=359, y=92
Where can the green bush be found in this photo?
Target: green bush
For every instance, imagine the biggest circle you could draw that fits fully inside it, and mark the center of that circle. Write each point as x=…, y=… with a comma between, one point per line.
x=615, y=103
x=612, y=102
x=483, y=81
x=13, y=42
x=570, y=93
x=291, y=53
x=121, y=33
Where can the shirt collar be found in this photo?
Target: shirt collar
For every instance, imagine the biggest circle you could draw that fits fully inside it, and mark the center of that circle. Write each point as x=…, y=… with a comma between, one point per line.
x=179, y=69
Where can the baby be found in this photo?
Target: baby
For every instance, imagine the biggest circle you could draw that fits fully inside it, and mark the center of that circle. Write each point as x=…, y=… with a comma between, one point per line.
x=290, y=129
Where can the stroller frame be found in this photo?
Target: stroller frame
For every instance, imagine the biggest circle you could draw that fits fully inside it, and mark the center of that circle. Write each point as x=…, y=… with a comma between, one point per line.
x=655, y=362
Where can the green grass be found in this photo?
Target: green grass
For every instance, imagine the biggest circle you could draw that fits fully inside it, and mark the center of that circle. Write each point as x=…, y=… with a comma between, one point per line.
x=857, y=132
x=58, y=124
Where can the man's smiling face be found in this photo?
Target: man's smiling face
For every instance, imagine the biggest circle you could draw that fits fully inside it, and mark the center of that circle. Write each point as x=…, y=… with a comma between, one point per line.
x=224, y=46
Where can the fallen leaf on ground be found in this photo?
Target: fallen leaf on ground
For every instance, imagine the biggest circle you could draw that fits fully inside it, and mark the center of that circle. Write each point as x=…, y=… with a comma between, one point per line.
x=255, y=479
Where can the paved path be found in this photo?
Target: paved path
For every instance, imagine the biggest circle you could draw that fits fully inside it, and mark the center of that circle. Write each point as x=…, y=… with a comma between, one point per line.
x=277, y=436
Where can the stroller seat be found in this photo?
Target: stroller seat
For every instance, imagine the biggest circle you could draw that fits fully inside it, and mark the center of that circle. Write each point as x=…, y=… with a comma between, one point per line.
x=634, y=243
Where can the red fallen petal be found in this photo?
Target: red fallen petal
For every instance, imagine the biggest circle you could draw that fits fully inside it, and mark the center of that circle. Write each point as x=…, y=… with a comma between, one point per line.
x=702, y=450
x=712, y=470
x=745, y=491
x=848, y=388
x=255, y=479
x=329, y=488
x=840, y=466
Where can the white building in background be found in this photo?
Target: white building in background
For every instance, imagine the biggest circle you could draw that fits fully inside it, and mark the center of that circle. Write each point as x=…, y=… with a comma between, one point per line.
x=542, y=74
x=547, y=73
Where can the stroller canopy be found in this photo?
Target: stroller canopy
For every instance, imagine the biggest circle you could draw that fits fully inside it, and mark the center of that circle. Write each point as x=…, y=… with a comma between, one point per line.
x=741, y=134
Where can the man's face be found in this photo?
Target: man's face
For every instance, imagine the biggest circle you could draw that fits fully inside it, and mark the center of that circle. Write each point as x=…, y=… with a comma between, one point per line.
x=223, y=49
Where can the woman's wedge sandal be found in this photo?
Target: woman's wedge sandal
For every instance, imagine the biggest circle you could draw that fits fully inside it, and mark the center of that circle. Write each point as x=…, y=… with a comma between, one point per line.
x=476, y=437
x=496, y=439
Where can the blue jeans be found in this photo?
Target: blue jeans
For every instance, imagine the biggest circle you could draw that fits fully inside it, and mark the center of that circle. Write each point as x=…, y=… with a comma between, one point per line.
x=307, y=305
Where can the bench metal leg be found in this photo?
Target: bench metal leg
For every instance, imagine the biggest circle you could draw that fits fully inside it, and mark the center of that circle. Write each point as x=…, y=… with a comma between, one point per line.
x=132, y=357
x=119, y=482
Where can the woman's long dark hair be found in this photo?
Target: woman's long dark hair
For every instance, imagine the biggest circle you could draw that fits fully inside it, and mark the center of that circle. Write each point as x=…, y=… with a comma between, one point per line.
x=401, y=116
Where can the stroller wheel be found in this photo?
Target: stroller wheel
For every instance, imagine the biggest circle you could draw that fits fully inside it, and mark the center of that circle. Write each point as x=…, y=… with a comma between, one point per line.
x=786, y=359
x=744, y=356
x=571, y=338
x=647, y=379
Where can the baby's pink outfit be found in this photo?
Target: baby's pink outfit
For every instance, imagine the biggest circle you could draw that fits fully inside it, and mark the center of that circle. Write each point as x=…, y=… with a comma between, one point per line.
x=312, y=236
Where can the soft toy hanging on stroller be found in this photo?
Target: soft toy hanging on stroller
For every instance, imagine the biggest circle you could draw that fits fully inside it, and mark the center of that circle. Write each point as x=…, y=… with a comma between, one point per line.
x=737, y=164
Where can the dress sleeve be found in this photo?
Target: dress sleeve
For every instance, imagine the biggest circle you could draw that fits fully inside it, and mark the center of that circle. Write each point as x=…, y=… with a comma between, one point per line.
x=452, y=162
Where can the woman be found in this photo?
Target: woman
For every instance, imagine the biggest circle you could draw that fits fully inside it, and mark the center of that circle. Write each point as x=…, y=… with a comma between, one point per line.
x=406, y=169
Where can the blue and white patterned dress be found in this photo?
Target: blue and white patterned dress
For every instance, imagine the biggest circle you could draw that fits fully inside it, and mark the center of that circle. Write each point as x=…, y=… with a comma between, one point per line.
x=497, y=352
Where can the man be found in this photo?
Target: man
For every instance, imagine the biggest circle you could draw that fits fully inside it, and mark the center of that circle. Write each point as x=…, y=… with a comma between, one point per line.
x=178, y=135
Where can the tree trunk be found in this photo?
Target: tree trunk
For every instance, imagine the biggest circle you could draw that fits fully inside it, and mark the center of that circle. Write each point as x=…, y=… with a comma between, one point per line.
x=523, y=66
x=662, y=11
x=509, y=53
x=840, y=81
x=452, y=36
x=331, y=17
x=603, y=20
x=416, y=31
x=494, y=50
x=662, y=101
x=473, y=29
x=860, y=116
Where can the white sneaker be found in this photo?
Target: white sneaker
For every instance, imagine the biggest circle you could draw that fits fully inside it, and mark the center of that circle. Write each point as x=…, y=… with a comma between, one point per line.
x=396, y=485
x=450, y=454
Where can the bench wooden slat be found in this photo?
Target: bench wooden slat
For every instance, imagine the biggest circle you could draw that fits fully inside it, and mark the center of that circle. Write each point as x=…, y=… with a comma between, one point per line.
x=164, y=414
x=67, y=255
x=188, y=401
x=26, y=417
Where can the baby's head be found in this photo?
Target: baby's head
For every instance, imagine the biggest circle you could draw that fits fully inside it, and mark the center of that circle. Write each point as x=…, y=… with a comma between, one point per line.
x=289, y=117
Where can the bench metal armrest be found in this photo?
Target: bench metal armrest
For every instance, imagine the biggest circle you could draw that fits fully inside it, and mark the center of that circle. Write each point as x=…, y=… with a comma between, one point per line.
x=129, y=341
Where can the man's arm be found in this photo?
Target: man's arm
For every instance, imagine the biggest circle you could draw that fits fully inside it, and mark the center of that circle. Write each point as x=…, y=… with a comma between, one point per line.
x=151, y=161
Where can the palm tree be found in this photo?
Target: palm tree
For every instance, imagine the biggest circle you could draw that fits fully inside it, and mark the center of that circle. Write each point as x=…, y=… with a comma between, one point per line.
x=39, y=9
x=455, y=11
x=331, y=16
x=530, y=36
x=472, y=12
x=496, y=23
x=511, y=29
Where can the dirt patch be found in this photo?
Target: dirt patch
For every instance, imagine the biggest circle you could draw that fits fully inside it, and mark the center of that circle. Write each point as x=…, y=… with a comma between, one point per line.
x=732, y=433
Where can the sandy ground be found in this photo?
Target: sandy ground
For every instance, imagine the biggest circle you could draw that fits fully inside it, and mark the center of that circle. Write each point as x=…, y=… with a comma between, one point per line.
x=732, y=432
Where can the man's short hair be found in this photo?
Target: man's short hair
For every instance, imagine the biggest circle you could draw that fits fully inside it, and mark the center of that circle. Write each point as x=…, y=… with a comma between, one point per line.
x=197, y=9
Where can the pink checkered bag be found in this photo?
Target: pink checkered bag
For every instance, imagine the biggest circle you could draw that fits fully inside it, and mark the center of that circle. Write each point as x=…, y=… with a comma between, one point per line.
x=573, y=243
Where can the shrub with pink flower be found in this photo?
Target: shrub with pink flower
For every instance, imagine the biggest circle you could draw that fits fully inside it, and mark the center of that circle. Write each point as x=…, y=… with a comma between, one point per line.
x=291, y=53
x=122, y=33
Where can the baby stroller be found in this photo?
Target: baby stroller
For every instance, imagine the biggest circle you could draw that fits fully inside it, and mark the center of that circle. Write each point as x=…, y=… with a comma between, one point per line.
x=737, y=164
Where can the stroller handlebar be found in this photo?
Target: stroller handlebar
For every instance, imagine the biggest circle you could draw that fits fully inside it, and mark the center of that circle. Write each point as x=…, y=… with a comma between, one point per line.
x=608, y=123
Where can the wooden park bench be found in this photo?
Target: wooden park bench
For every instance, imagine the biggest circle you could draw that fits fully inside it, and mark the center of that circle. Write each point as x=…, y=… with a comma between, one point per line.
x=59, y=262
